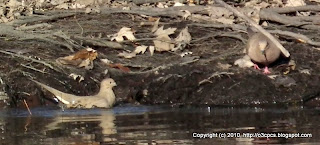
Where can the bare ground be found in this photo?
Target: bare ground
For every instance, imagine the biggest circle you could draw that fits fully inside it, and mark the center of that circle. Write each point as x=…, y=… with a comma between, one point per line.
x=165, y=78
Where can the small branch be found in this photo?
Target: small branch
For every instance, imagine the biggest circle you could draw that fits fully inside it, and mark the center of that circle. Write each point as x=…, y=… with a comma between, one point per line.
x=165, y=67
x=37, y=18
x=299, y=37
x=295, y=9
x=27, y=106
x=216, y=74
x=32, y=27
x=251, y=22
x=32, y=68
x=98, y=42
x=28, y=58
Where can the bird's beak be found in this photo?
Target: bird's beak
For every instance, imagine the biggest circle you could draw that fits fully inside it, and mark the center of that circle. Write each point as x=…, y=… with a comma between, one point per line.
x=263, y=52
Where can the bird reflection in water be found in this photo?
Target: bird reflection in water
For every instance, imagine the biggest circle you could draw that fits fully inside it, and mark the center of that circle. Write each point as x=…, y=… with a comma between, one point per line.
x=82, y=129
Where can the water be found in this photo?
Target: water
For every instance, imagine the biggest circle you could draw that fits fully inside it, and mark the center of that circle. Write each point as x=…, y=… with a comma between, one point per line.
x=157, y=125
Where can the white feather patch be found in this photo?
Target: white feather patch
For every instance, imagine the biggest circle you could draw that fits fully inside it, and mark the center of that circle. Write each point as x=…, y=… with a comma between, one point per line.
x=62, y=100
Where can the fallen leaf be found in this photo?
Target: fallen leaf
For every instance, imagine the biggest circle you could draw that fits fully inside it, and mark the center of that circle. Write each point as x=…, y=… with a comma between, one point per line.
x=87, y=64
x=82, y=58
x=178, y=4
x=160, y=5
x=184, y=36
x=182, y=40
x=163, y=41
x=162, y=44
x=120, y=66
x=155, y=25
x=87, y=53
x=305, y=71
x=151, y=50
x=106, y=61
x=294, y=3
x=62, y=6
x=140, y=49
x=186, y=15
x=123, y=32
x=244, y=62
x=167, y=32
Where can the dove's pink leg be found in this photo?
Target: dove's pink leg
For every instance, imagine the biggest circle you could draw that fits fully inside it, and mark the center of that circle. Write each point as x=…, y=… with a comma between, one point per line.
x=255, y=66
x=266, y=70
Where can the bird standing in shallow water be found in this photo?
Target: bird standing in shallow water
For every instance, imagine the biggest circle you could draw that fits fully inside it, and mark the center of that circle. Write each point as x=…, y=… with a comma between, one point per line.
x=261, y=50
x=105, y=98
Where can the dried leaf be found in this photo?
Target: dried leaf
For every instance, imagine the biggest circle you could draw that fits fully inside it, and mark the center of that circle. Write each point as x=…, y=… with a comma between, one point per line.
x=167, y=32
x=106, y=61
x=124, y=32
x=62, y=6
x=120, y=66
x=87, y=53
x=151, y=50
x=163, y=45
x=182, y=40
x=244, y=62
x=161, y=5
x=140, y=49
x=295, y=3
x=186, y=15
x=87, y=64
x=184, y=36
x=82, y=58
x=155, y=26
x=178, y=4
x=127, y=55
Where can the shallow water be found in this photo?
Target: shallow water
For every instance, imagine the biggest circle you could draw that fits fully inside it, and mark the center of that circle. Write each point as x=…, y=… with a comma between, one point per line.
x=157, y=124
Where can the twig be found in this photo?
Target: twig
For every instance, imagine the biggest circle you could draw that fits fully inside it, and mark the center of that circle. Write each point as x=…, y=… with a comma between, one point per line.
x=216, y=74
x=98, y=42
x=164, y=67
x=26, y=104
x=35, y=18
x=35, y=26
x=10, y=31
x=28, y=58
x=299, y=37
x=251, y=22
x=32, y=68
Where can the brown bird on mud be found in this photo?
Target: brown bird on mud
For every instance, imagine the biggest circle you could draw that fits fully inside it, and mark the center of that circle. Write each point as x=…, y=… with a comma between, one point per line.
x=261, y=50
x=105, y=98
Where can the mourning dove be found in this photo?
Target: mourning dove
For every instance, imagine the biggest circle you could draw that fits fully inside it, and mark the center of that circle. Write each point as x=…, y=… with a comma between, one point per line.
x=105, y=98
x=261, y=50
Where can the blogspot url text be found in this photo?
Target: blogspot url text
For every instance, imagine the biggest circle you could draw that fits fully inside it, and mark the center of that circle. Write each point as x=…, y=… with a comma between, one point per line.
x=251, y=135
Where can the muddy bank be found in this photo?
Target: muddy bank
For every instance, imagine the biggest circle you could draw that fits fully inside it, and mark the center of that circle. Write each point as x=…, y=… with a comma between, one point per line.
x=206, y=77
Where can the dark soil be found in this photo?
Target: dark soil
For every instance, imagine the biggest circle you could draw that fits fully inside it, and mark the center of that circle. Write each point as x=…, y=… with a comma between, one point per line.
x=176, y=83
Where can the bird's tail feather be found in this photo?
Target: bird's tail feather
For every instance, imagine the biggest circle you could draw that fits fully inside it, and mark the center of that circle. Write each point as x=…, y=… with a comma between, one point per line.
x=58, y=94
